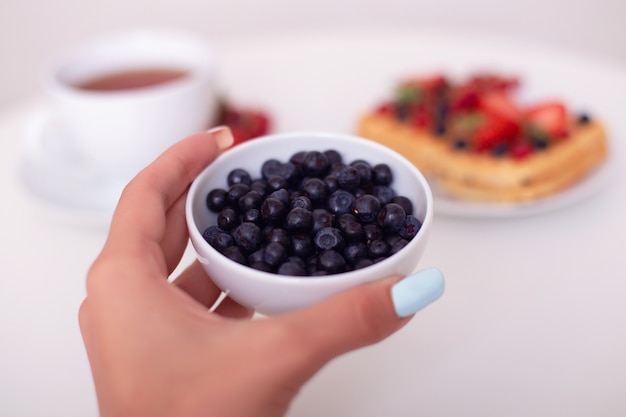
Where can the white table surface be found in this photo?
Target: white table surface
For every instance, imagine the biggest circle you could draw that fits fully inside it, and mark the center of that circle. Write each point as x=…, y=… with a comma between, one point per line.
x=533, y=320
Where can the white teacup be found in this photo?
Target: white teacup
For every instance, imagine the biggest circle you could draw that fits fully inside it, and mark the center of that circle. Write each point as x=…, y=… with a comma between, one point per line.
x=118, y=129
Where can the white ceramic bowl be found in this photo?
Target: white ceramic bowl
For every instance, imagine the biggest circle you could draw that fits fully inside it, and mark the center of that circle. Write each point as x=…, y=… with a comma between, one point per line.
x=270, y=293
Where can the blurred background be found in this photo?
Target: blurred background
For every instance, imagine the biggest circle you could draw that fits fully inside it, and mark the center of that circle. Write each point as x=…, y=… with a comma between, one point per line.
x=32, y=31
x=552, y=359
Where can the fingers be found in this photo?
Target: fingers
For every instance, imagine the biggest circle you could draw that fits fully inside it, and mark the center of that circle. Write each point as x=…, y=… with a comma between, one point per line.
x=195, y=282
x=360, y=316
x=229, y=308
x=140, y=217
x=176, y=235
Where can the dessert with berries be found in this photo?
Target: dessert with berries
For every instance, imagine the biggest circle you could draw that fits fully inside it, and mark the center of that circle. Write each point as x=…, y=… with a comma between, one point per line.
x=476, y=141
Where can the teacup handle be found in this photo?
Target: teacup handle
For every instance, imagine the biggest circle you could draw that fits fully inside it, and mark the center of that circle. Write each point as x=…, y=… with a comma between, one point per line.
x=48, y=141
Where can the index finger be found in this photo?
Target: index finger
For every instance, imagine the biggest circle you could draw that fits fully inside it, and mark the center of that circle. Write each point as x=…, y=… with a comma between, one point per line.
x=140, y=216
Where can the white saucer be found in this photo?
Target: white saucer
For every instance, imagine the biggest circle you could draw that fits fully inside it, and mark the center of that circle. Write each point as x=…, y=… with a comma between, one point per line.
x=63, y=185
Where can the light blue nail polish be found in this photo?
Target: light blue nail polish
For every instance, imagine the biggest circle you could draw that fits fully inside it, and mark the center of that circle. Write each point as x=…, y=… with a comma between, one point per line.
x=416, y=291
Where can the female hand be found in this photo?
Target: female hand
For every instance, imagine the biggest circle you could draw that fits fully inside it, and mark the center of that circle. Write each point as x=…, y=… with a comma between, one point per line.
x=155, y=348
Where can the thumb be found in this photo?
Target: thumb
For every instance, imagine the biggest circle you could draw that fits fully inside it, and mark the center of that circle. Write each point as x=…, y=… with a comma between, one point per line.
x=362, y=315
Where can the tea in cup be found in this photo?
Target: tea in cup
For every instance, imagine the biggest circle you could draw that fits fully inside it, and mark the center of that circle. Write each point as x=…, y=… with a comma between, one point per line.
x=123, y=99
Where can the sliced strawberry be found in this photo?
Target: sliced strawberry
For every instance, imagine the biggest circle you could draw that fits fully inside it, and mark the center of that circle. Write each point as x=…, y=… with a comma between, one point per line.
x=494, y=131
x=500, y=105
x=551, y=117
x=464, y=98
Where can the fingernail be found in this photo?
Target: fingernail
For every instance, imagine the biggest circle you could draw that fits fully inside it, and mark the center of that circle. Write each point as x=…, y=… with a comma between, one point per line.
x=223, y=136
x=416, y=291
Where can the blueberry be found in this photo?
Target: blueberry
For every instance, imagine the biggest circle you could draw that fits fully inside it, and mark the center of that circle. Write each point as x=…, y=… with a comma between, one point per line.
x=315, y=189
x=259, y=186
x=383, y=193
x=282, y=195
x=350, y=227
x=397, y=246
x=382, y=175
x=403, y=201
x=345, y=219
x=362, y=263
x=250, y=200
x=261, y=266
x=331, y=261
x=500, y=149
x=298, y=159
x=298, y=220
x=348, y=178
x=301, y=201
x=341, y=202
x=270, y=168
x=391, y=217
x=364, y=169
x=278, y=235
x=314, y=164
x=247, y=236
x=275, y=182
x=273, y=210
x=301, y=245
x=217, y=200
x=227, y=219
x=333, y=156
x=236, y=191
x=366, y=208
x=237, y=176
x=583, y=119
x=274, y=254
x=372, y=231
x=540, y=143
x=218, y=238
x=328, y=238
x=321, y=218
x=377, y=249
x=253, y=216
x=256, y=256
x=331, y=182
x=410, y=227
x=354, y=251
x=290, y=172
x=291, y=268
x=234, y=254
x=459, y=144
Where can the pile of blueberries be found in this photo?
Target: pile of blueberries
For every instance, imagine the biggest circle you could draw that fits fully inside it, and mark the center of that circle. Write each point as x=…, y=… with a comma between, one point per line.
x=312, y=215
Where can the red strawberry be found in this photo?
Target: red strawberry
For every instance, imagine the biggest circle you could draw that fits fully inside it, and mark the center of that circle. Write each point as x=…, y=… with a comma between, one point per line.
x=521, y=149
x=494, y=131
x=500, y=105
x=551, y=117
x=420, y=117
x=464, y=98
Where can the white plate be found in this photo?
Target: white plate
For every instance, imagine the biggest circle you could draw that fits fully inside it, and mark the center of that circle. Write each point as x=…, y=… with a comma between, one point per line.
x=63, y=186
